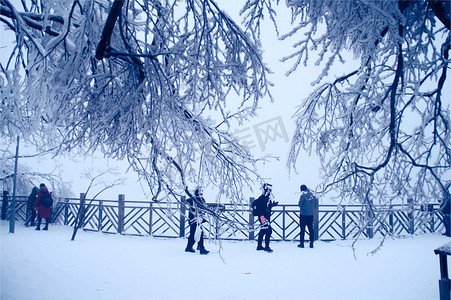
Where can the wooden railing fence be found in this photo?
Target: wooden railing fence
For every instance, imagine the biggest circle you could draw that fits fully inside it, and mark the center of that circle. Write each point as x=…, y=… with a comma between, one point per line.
x=164, y=219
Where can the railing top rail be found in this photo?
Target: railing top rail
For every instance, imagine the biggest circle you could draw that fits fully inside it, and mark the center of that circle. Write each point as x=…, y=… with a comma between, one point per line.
x=228, y=206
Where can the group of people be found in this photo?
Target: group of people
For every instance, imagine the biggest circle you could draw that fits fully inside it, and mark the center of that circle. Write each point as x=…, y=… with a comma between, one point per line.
x=263, y=207
x=198, y=206
x=264, y=204
x=36, y=208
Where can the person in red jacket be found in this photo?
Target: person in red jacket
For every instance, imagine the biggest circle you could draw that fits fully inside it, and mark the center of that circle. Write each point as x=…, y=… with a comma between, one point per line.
x=43, y=212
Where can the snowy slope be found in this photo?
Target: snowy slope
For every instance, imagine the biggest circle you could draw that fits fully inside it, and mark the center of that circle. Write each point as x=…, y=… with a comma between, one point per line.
x=47, y=265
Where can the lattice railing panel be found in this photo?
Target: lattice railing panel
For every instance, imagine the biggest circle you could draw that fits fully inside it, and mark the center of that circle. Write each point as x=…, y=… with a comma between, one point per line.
x=230, y=226
x=330, y=225
x=137, y=221
x=91, y=221
x=291, y=231
x=164, y=224
x=165, y=219
x=109, y=219
x=400, y=223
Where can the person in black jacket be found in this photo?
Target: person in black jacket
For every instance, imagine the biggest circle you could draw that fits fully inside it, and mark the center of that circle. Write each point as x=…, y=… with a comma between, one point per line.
x=31, y=211
x=197, y=207
x=264, y=204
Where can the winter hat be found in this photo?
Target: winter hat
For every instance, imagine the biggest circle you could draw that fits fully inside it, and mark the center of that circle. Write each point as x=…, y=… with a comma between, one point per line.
x=198, y=191
x=42, y=185
x=304, y=188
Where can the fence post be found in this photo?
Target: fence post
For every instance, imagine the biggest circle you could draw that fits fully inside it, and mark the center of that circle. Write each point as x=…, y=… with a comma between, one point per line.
x=316, y=224
x=390, y=219
x=120, y=213
x=411, y=216
x=251, y=220
x=4, y=205
x=100, y=215
x=283, y=222
x=343, y=223
x=66, y=211
x=370, y=216
x=150, y=217
x=432, y=219
x=182, y=216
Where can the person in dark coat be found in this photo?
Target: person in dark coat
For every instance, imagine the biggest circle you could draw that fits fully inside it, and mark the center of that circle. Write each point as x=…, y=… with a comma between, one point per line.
x=264, y=204
x=445, y=210
x=31, y=211
x=307, y=203
x=197, y=207
x=43, y=212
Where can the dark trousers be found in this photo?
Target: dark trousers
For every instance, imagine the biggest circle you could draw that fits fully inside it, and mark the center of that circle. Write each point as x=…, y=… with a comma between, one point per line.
x=191, y=241
x=447, y=224
x=306, y=221
x=266, y=233
x=47, y=222
x=31, y=218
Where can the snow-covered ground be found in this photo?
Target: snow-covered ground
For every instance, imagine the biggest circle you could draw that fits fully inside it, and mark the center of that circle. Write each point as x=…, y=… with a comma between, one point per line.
x=47, y=265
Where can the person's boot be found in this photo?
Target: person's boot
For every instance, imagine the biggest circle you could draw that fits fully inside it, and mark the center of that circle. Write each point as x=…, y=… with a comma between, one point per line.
x=46, y=227
x=301, y=245
x=204, y=251
x=38, y=228
x=190, y=249
x=267, y=249
x=311, y=244
x=260, y=247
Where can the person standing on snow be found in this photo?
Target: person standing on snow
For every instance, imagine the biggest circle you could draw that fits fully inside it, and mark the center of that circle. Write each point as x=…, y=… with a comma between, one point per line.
x=197, y=206
x=264, y=204
x=31, y=211
x=307, y=203
x=43, y=212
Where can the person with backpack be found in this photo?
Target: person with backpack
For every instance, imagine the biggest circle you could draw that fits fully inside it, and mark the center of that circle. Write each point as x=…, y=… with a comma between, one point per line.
x=197, y=207
x=307, y=203
x=31, y=211
x=43, y=204
x=262, y=207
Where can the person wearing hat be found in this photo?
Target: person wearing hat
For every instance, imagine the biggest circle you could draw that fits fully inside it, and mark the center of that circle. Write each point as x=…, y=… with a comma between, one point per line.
x=307, y=204
x=43, y=212
x=197, y=206
x=264, y=204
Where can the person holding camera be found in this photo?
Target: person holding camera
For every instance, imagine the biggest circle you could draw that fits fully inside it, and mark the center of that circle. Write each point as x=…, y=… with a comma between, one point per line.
x=264, y=204
x=307, y=203
x=197, y=207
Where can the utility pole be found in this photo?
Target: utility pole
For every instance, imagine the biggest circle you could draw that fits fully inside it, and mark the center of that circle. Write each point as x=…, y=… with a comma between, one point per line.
x=12, y=217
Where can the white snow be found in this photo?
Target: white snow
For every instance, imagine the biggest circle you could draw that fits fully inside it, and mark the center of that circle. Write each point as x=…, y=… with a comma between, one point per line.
x=47, y=265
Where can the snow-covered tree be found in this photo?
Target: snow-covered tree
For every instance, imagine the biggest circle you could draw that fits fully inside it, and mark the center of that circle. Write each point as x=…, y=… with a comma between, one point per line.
x=382, y=130
x=27, y=177
x=143, y=80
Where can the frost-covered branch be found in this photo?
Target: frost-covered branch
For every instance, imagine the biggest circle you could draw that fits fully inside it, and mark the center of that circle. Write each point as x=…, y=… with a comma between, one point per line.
x=147, y=81
x=381, y=131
